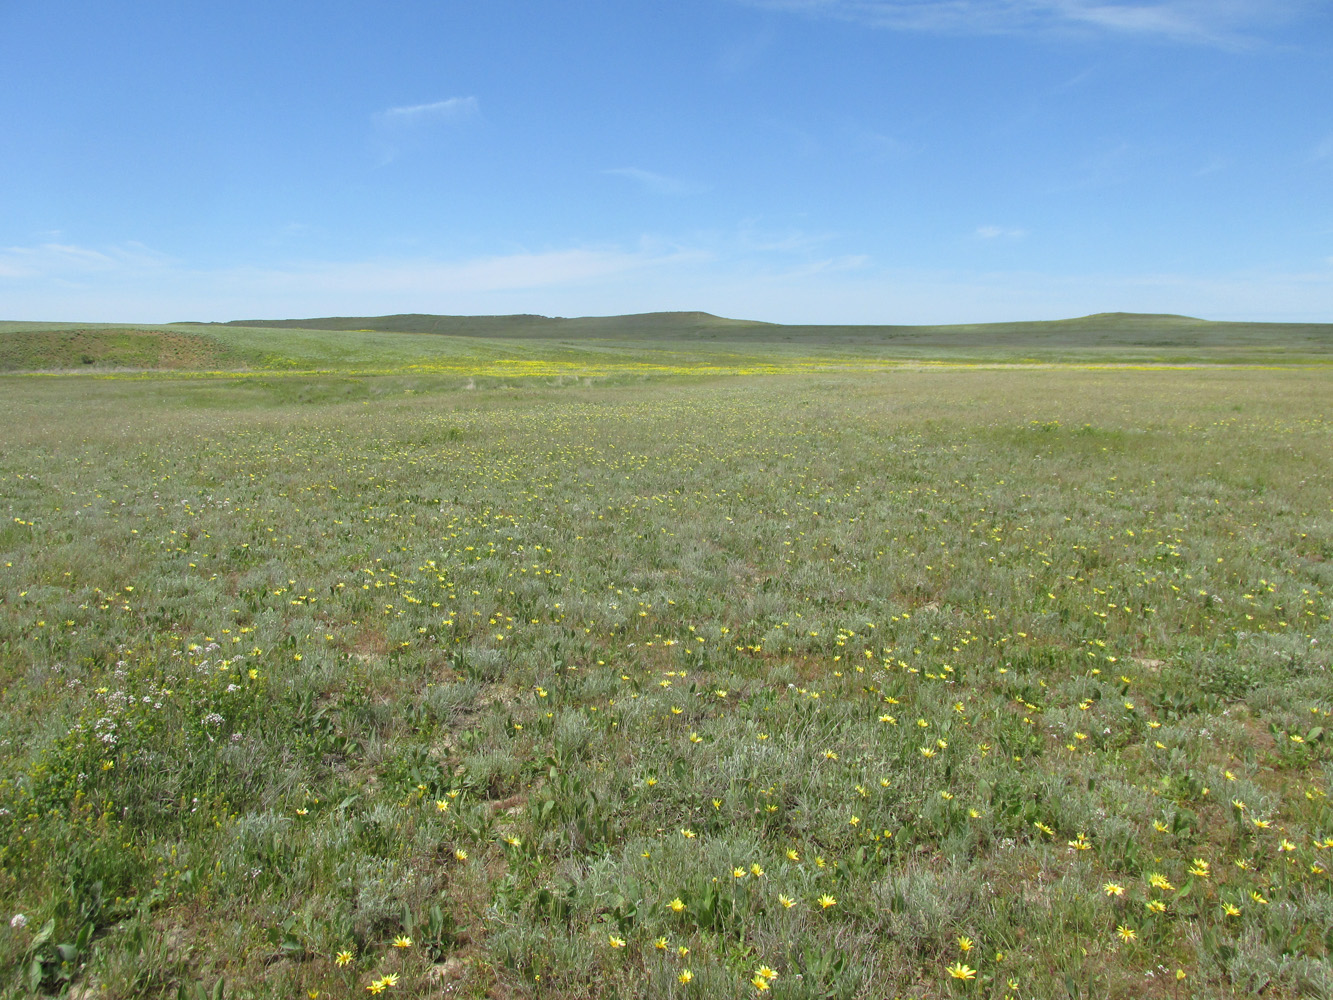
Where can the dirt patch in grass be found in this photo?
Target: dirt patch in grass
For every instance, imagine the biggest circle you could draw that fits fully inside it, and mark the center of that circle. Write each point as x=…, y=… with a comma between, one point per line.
x=369, y=644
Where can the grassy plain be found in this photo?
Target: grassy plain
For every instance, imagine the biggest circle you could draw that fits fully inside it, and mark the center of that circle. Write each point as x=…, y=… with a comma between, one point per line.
x=926, y=681
x=641, y=346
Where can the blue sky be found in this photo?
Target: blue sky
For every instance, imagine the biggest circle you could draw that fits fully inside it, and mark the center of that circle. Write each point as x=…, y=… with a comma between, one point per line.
x=877, y=161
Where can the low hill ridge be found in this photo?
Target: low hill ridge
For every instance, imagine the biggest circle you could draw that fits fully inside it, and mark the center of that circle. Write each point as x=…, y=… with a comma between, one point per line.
x=692, y=339
x=518, y=324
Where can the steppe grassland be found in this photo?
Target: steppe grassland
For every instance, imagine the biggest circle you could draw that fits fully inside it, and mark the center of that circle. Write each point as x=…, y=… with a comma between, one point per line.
x=917, y=684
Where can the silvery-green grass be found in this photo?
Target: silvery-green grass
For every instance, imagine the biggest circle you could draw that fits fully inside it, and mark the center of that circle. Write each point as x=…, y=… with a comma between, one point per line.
x=918, y=683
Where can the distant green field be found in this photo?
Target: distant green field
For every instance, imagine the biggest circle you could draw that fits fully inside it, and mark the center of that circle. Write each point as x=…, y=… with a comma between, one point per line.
x=929, y=681
x=655, y=344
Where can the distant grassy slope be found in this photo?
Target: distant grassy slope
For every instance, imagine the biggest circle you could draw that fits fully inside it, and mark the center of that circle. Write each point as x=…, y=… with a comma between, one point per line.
x=1099, y=331
x=1096, y=331
x=641, y=344
x=673, y=325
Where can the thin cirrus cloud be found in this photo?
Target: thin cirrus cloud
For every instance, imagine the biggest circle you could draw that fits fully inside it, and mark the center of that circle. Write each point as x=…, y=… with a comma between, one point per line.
x=523, y=269
x=1000, y=232
x=408, y=126
x=67, y=261
x=131, y=283
x=409, y=115
x=1194, y=21
x=508, y=272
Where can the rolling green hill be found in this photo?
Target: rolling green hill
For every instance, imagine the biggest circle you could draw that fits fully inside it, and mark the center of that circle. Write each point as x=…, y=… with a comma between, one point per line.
x=1100, y=331
x=672, y=342
x=669, y=324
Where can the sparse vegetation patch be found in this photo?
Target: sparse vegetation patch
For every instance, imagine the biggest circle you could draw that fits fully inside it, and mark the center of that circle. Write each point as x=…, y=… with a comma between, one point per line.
x=927, y=683
x=102, y=348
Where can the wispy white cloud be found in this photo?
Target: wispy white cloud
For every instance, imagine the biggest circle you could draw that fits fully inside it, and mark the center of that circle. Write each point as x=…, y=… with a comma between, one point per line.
x=715, y=272
x=1075, y=81
x=68, y=262
x=499, y=273
x=29, y=262
x=743, y=55
x=998, y=232
x=754, y=236
x=1324, y=151
x=452, y=109
x=650, y=181
x=1196, y=21
x=823, y=265
x=403, y=128
x=51, y=281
